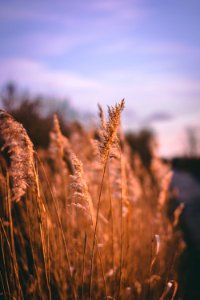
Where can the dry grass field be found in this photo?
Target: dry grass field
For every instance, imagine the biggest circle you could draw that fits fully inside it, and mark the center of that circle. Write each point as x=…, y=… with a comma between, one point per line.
x=84, y=219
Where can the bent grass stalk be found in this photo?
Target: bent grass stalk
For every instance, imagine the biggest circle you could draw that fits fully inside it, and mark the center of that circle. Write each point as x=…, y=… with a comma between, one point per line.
x=111, y=219
x=4, y=290
x=40, y=208
x=4, y=265
x=32, y=252
x=14, y=256
x=61, y=230
x=83, y=265
x=94, y=236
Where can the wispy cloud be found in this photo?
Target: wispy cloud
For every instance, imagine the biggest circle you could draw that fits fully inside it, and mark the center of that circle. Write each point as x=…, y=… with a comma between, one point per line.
x=8, y=14
x=139, y=46
x=48, y=45
x=39, y=77
x=69, y=13
x=127, y=10
x=152, y=82
x=159, y=116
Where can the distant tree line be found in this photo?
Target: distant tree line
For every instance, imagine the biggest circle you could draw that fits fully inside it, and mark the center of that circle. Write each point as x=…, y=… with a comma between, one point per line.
x=35, y=113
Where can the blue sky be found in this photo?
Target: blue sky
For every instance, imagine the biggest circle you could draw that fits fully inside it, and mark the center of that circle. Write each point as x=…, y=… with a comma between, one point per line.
x=90, y=52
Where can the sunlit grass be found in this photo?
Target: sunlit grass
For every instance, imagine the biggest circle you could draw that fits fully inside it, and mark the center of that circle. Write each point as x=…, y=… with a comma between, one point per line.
x=92, y=221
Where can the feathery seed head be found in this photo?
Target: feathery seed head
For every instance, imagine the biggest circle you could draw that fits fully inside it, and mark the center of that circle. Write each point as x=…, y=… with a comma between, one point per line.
x=102, y=117
x=81, y=193
x=108, y=134
x=56, y=148
x=59, y=148
x=21, y=153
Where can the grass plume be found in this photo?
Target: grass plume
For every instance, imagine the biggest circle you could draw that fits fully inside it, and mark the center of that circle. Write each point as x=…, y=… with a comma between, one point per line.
x=21, y=154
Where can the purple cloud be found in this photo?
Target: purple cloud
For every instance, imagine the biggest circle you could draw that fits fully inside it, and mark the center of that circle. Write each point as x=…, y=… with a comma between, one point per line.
x=158, y=117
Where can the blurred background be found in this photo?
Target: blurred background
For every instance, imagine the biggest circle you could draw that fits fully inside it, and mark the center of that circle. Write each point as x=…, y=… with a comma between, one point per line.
x=71, y=55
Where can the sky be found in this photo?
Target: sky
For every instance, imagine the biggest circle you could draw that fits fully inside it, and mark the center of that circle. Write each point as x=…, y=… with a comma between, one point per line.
x=90, y=52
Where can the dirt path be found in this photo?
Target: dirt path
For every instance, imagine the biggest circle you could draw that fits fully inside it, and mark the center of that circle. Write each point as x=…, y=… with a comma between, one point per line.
x=188, y=189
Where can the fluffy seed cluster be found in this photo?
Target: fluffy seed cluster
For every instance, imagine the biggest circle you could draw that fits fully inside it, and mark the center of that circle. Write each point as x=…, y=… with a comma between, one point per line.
x=101, y=116
x=21, y=154
x=61, y=150
x=109, y=130
x=82, y=197
x=56, y=147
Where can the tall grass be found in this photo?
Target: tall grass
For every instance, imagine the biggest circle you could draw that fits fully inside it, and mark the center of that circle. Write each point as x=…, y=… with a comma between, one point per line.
x=85, y=219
